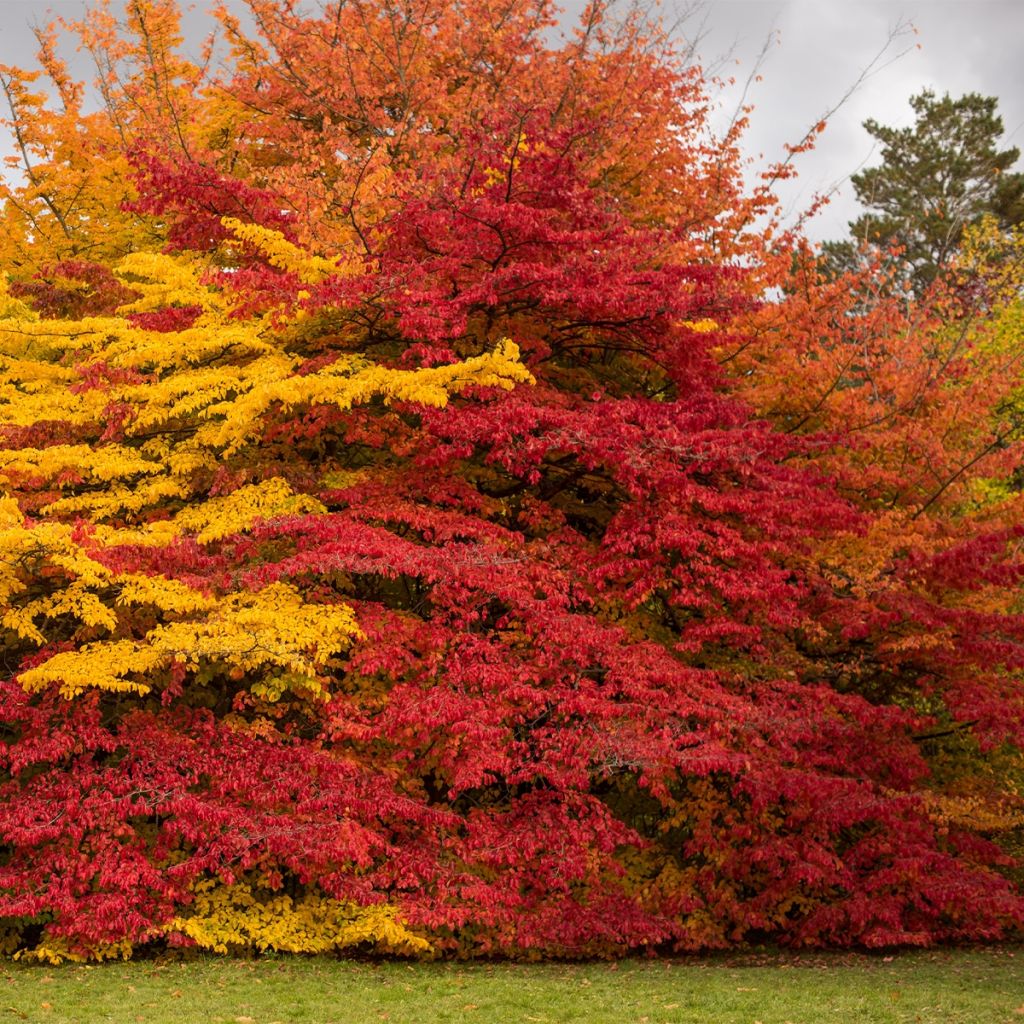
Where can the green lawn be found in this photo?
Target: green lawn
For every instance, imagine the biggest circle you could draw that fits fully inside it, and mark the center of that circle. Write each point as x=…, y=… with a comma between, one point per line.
x=944, y=987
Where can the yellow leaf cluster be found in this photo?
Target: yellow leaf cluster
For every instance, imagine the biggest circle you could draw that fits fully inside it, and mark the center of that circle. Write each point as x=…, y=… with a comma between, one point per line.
x=216, y=383
x=10, y=307
x=284, y=255
x=704, y=326
x=238, y=511
x=164, y=281
x=57, y=951
x=227, y=918
x=273, y=626
x=109, y=462
x=25, y=550
x=270, y=629
x=346, y=383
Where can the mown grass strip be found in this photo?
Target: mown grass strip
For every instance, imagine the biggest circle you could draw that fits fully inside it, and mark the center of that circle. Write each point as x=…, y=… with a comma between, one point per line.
x=935, y=987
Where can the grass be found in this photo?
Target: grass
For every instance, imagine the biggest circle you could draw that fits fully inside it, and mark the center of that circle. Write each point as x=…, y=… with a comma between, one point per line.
x=934, y=987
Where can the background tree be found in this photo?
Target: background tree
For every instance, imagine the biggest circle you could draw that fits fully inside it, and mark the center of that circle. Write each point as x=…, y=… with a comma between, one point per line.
x=936, y=178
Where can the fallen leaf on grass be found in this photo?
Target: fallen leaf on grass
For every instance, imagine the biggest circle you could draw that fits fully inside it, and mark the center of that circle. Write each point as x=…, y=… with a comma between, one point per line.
x=671, y=1006
x=1020, y=1010
x=244, y=1020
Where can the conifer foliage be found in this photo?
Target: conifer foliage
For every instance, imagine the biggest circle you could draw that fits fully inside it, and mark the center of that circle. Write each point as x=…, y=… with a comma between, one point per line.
x=438, y=516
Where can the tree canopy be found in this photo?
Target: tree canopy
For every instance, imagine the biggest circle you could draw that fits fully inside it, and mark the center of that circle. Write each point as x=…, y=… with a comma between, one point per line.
x=445, y=512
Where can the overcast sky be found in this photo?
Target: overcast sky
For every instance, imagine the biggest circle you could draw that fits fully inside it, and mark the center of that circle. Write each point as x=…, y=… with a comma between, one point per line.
x=817, y=50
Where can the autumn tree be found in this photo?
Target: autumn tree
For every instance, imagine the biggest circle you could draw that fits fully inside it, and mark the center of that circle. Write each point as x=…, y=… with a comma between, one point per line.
x=439, y=515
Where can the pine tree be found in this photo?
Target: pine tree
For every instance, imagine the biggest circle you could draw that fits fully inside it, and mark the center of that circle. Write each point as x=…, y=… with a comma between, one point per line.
x=937, y=177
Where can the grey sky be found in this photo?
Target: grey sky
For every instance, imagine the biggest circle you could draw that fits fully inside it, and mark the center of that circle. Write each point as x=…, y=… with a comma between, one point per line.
x=818, y=50
x=823, y=46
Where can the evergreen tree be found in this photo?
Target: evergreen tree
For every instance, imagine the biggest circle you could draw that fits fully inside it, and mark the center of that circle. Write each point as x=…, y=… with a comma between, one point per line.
x=936, y=178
